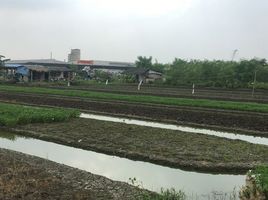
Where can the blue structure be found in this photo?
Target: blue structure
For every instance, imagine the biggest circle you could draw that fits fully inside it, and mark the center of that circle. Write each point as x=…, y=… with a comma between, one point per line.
x=18, y=69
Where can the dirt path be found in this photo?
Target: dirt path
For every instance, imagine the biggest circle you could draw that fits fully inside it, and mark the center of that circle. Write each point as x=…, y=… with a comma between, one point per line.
x=249, y=122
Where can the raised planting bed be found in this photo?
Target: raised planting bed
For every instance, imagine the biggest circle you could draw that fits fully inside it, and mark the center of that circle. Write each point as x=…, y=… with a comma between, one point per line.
x=165, y=147
x=203, y=103
x=248, y=122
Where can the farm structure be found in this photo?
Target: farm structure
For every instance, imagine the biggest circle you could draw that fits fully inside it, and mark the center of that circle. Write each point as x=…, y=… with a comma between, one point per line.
x=29, y=73
x=88, y=65
x=113, y=67
x=144, y=75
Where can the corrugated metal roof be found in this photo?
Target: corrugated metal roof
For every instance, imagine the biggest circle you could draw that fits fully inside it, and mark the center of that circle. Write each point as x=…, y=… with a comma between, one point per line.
x=11, y=66
x=37, y=61
x=136, y=71
x=37, y=68
x=58, y=69
x=41, y=68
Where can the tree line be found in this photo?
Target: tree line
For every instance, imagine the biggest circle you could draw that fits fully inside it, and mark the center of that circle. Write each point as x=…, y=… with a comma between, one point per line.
x=211, y=73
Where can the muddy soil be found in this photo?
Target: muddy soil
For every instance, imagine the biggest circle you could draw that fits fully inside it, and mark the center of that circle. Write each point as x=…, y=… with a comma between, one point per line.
x=248, y=122
x=165, y=147
x=30, y=178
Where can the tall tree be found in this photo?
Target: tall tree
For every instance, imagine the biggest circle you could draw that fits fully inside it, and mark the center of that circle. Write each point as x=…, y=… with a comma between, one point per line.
x=144, y=62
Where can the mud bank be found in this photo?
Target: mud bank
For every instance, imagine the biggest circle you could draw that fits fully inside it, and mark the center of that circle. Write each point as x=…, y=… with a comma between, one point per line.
x=28, y=177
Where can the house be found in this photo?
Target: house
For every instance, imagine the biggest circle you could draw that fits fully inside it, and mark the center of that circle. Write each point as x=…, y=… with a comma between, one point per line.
x=144, y=75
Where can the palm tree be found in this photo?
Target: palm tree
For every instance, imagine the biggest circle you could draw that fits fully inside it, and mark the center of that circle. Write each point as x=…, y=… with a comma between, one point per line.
x=144, y=62
x=2, y=61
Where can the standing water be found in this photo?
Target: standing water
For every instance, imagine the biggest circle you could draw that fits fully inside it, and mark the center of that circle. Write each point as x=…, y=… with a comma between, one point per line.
x=233, y=136
x=150, y=176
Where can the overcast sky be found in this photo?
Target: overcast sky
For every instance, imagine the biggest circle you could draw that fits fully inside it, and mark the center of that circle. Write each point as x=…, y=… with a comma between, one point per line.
x=124, y=29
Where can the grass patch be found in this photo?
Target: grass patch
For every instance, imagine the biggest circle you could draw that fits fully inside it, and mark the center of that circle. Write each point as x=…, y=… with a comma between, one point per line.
x=11, y=115
x=261, y=177
x=227, y=105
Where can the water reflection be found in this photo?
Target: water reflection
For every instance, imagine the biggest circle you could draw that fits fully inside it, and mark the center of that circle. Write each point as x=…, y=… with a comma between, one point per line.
x=233, y=136
x=7, y=135
x=152, y=176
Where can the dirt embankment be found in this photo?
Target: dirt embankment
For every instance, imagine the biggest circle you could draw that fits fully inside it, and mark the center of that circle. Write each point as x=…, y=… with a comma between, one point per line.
x=28, y=177
x=252, y=123
x=165, y=147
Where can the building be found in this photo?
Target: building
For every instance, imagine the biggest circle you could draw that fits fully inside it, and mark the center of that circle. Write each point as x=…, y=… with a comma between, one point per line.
x=38, y=70
x=74, y=56
x=45, y=62
x=113, y=67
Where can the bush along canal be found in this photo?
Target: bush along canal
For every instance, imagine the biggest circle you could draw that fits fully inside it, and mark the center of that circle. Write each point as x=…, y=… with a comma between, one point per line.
x=150, y=176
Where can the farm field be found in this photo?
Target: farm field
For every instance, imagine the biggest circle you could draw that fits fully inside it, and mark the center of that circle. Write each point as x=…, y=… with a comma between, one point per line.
x=171, y=101
x=260, y=95
x=253, y=123
x=176, y=149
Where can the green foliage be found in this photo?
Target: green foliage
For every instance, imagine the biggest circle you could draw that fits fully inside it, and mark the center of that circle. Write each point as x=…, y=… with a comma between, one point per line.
x=165, y=194
x=159, y=67
x=168, y=194
x=228, y=105
x=217, y=73
x=102, y=75
x=261, y=178
x=2, y=60
x=144, y=62
x=125, y=78
x=11, y=115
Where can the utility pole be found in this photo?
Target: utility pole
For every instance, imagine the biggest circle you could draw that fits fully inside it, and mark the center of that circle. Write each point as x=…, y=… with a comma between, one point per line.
x=253, y=87
x=234, y=54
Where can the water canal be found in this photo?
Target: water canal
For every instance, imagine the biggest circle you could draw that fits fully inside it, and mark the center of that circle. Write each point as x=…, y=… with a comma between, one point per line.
x=151, y=176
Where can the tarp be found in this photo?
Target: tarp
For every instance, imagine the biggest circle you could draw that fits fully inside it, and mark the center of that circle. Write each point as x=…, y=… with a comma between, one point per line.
x=23, y=71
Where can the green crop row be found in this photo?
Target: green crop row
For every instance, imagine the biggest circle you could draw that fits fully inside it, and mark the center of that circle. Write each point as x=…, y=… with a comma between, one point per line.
x=11, y=114
x=228, y=105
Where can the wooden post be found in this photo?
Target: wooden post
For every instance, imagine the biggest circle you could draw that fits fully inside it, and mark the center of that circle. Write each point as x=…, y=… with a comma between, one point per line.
x=193, y=89
x=31, y=75
x=253, y=87
x=69, y=78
